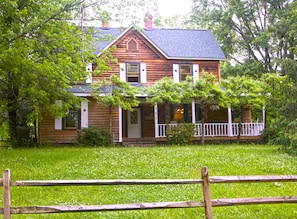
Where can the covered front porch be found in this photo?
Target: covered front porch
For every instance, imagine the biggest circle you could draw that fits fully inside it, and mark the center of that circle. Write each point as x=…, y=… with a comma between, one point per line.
x=155, y=121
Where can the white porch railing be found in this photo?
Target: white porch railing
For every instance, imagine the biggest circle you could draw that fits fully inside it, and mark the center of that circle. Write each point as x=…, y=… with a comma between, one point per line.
x=219, y=129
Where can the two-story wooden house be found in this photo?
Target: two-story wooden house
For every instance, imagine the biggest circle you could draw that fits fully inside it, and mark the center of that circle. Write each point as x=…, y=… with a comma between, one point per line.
x=144, y=57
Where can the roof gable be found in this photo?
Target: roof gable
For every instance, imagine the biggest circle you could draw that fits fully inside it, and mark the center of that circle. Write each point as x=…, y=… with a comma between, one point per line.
x=172, y=43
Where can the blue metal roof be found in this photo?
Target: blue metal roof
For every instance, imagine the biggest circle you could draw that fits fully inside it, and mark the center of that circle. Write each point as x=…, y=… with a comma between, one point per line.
x=172, y=43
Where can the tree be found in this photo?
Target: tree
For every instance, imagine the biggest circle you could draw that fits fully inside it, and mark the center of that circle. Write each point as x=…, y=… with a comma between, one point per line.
x=40, y=56
x=44, y=49
x=204, y=91
x=165, y=91
x=254, y=31
x=243, y=92
x=123, y=12
x=115, y=93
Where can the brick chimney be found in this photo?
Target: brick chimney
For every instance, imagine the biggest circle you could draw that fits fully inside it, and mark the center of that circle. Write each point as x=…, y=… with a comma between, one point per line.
x=148, y=22
x=105, y=25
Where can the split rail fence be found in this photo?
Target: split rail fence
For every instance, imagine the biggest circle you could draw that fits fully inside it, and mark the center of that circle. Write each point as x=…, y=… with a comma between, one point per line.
x=205, y=181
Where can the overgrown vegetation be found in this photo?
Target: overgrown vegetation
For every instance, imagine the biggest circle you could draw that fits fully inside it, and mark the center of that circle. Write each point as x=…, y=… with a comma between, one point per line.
x=180, y=134
x=168, y=162
x=93, y=137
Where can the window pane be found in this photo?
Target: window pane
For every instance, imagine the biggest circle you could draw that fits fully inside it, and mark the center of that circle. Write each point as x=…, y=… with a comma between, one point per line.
x=185, y=70
x=71, y=120
x=178, y=113
x=133, y=72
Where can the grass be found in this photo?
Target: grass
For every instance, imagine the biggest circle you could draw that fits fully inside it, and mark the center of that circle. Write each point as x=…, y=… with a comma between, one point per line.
x=161, y=162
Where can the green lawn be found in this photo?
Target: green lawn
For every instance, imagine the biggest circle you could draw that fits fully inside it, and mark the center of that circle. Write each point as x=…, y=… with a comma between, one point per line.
x=163, y=162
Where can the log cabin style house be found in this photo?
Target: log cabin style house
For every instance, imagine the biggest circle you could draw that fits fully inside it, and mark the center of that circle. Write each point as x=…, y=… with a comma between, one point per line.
x=145, y=57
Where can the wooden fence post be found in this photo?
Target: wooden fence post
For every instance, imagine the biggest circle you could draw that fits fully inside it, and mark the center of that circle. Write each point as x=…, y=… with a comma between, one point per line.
x=6, y=187
x=206, y=193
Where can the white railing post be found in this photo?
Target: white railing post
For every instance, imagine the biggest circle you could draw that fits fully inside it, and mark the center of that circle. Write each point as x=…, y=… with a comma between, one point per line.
x=230, y=131
x=156, y=121
x=263, y=115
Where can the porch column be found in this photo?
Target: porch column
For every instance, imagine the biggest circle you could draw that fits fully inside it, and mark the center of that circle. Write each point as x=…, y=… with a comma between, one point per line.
x=120, y=124
x=156, y=120
x=193, y=113
x=263, y=116
x=230, y=131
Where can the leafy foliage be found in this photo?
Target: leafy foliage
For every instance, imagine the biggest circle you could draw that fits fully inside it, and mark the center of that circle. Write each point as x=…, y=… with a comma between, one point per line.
x=164, y=91
x=115, y=93
x=243, y=92
x=41, y=55
x=93, y=137
x=180, y=134
x=256, y=33
x=204, y=91
x=281, y=109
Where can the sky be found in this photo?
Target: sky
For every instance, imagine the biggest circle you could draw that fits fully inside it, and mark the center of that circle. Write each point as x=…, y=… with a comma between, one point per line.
x=168, y=8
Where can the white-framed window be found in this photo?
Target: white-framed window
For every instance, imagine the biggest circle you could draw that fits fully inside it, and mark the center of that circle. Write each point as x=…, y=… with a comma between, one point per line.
x=75, y=118
x=185, y=70
x=72, y=119
x=133, y=72
x=182, y=70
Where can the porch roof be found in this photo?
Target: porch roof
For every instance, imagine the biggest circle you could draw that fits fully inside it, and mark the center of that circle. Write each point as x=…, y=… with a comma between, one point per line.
x=86, y=90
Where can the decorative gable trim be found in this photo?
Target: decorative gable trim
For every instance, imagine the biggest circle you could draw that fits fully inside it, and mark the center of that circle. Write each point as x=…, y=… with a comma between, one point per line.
x=115, y=40
x=132, y=45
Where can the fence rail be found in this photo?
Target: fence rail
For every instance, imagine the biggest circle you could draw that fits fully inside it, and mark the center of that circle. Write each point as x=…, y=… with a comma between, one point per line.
x=205, y=181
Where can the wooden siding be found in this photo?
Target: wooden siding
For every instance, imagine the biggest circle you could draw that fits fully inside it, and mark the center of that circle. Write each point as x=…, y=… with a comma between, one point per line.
x=98, y=117
x=48, y=134
x=157, y=65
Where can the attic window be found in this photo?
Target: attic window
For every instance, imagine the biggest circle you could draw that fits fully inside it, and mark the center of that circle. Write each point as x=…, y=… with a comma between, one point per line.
x=132, y=45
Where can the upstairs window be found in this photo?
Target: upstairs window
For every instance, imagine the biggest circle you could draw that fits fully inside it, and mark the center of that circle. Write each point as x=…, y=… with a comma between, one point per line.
x=133, y=70
x=72, y=119
x=132, y=45
x=185, y=70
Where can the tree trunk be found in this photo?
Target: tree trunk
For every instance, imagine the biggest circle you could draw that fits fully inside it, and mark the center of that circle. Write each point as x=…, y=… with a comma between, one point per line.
x=12, y=106
x=12, y=122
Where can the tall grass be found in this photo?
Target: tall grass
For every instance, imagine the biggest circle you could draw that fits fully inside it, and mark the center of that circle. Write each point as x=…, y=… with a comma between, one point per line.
x=162, y=162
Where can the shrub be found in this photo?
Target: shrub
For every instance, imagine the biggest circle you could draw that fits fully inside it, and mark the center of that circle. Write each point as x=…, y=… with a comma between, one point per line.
x=93, y=137
x=181, y=134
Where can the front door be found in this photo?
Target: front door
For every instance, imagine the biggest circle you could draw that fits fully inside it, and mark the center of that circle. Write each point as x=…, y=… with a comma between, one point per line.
x=134, y=123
